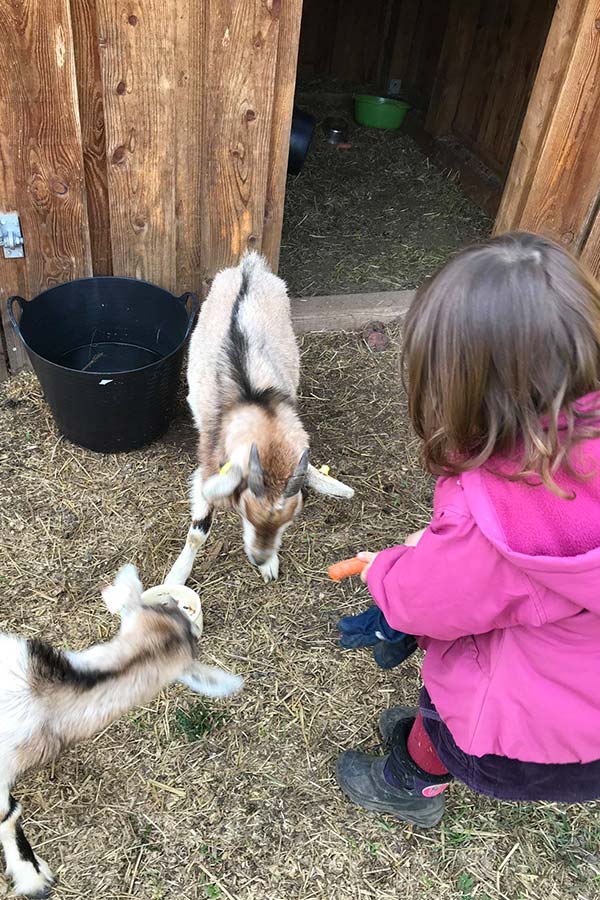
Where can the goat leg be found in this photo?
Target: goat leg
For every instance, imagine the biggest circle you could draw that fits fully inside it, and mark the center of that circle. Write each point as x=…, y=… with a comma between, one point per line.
x=199, y=530
x=30, y=875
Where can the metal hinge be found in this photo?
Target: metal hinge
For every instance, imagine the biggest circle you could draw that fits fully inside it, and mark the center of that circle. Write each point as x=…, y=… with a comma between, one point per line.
x=11, y=237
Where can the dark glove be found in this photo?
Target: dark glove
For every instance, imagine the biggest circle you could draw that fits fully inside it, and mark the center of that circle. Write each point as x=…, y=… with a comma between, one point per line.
x=366, y=629
x=370, y=629
x=388, y=656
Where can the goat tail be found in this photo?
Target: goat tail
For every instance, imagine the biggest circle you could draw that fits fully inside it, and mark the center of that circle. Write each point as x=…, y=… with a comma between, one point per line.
x=125, y=591
x=253, y=263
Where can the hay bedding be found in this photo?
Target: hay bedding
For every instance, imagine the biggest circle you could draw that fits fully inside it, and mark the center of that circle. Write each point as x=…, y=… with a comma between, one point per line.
x=197, y=799
x=377, y=217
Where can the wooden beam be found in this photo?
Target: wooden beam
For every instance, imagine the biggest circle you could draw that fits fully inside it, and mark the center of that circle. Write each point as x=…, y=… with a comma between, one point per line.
x=452, y=67
x=281, y=123
x=349, y=312
x=137, y=49
x=550, y=79
x=91, y=113
x=41, y=160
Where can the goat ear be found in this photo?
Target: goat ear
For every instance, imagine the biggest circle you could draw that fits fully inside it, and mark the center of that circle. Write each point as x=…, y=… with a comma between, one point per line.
x=211, y=681
x=125, y=592
x=219, y=486
x=324, y=484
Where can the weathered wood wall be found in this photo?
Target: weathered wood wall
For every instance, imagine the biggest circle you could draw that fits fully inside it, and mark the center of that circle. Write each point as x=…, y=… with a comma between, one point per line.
x=554, y=183
x=146, y=138
x=469, y=64
x=344, y=38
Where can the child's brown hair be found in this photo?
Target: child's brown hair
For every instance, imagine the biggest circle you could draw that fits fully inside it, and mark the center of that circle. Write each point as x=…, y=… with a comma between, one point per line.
x=502, y=340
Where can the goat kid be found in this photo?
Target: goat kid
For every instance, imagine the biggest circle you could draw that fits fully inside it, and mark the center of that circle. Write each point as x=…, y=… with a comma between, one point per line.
x=243, y=375
x=50, y=699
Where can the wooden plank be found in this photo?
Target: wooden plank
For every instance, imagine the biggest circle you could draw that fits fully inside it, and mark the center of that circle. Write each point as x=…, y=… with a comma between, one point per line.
x=405, y=29
x=41, y=160
x=474, y=99
x=137, y=49
x=349, y=312
x=427, y=47
x=91, y=112
x=562, y=197
x=544, y=96
x=358, y=40
x=317, y=36
x=522, y=42
x=452, y=67
x=590, y=253
x=239, y=89
x=281, y=121
x=189, y=112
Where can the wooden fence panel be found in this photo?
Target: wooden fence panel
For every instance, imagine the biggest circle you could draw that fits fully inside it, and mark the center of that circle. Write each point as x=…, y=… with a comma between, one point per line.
x=147, y=139
x=554, y=178
x=41, y=169
x=239, y=89
x=137, y=53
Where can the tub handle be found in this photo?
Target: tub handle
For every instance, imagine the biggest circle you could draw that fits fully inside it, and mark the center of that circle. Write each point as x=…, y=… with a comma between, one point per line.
x=10, y=303
x=192, y=298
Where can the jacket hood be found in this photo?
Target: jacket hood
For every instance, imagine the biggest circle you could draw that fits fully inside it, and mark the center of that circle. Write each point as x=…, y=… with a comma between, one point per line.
x=577, y=578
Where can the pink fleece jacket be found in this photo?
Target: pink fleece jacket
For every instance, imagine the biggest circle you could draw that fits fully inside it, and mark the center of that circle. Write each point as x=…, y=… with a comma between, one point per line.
x=504, y=591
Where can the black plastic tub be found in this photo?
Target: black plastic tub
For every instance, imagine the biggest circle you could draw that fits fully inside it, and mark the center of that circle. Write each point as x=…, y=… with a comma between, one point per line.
x=303, y=128
x=108, y=355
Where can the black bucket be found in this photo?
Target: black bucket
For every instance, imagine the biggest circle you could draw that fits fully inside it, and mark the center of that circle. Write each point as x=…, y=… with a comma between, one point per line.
x=108, y=354
x=303, y=128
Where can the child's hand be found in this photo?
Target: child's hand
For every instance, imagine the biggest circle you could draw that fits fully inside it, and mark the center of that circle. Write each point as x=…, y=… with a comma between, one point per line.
x=369, y=558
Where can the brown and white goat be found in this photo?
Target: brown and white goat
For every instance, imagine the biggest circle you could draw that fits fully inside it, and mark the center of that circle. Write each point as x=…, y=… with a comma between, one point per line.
x=243, y=375
x=50, y=699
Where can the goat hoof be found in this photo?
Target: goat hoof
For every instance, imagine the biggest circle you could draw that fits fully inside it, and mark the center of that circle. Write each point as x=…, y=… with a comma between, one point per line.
x=34, y=884
x=270, y=569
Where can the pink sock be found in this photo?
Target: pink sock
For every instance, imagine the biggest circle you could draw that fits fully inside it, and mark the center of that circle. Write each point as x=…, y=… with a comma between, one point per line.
x=422, y=750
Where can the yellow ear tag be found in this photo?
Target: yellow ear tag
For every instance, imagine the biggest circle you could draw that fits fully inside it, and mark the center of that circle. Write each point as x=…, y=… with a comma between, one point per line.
x=225, y=468
x=324, y=470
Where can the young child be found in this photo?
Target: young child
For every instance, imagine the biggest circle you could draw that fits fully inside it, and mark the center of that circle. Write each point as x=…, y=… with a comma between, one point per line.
x=502, y=365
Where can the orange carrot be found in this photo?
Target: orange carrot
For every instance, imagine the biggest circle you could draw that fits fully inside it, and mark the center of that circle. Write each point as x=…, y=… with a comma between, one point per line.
x=346, y=568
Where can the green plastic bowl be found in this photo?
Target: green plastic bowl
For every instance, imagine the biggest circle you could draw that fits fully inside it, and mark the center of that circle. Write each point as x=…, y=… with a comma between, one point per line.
x=379, y=112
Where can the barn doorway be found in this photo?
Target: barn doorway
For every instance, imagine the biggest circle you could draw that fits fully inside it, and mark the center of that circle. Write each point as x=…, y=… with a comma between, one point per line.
x=384, y=212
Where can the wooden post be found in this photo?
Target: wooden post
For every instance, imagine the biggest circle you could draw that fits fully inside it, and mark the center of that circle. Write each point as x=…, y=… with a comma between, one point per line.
x=554, y=177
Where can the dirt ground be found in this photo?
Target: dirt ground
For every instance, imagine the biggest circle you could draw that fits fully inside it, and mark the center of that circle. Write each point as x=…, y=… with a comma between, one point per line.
x=236, y=800
x=376, y=217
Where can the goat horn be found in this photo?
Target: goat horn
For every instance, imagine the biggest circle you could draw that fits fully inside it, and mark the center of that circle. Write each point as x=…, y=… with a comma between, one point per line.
x=256, y=479
x=296, y=482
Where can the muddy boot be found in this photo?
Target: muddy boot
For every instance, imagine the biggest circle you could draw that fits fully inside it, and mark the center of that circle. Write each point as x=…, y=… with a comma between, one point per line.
x=393, y=784
x=389, y=718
